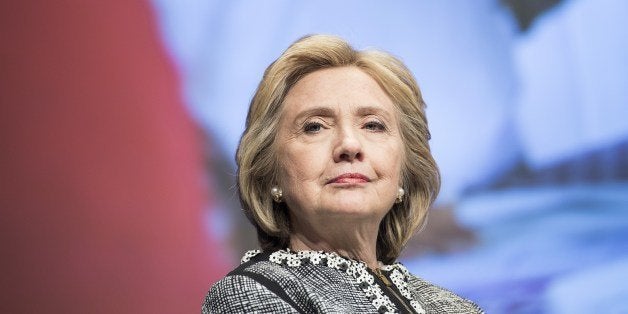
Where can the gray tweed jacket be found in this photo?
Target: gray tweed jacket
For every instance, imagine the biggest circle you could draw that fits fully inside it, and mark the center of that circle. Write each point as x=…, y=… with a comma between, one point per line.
x=316, y=282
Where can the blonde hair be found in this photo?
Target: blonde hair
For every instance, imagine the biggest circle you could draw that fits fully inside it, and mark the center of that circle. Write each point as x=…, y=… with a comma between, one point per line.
x=257, y=162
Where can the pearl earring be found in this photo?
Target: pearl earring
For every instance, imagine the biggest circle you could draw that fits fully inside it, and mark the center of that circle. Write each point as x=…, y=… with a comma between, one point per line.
x=277, y=194
x=400, y=193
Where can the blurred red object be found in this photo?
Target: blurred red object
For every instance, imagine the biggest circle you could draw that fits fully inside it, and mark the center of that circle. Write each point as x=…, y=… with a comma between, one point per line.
x=101, y=183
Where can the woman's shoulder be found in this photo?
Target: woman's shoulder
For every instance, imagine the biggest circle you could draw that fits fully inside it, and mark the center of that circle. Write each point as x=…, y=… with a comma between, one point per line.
x=285, y=282
x=241, y=294
x=246, y=289
x=438, y=299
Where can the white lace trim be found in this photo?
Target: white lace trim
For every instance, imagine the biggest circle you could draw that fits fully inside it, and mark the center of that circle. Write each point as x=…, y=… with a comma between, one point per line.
x=356, y=269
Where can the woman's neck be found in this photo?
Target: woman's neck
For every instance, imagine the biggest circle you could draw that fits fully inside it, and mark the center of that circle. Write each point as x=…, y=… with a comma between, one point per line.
x=354, y=247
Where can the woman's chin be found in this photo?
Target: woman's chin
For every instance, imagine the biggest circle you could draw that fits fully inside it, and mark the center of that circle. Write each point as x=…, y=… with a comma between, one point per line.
x=354, y=207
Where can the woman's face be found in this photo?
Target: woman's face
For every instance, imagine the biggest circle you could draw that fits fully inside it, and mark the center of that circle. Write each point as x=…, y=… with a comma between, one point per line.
x=339, y=148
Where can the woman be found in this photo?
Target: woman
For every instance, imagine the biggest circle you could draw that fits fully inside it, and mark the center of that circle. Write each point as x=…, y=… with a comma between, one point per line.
x=335, y=173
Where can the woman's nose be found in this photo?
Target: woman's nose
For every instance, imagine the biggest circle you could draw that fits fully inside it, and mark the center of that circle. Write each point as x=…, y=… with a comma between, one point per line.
x=348, y=147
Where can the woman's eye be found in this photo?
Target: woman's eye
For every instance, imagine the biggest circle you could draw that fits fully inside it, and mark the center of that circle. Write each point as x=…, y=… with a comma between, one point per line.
x=312, y=127
x=375, y=126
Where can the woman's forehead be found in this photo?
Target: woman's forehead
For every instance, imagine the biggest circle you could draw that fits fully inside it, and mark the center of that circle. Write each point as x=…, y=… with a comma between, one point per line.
x=329, y=91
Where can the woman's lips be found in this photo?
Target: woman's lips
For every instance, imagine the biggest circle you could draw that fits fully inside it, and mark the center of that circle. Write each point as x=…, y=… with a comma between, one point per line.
x=350, y=178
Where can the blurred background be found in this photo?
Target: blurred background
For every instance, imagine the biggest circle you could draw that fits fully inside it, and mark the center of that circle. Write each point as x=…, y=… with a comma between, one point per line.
x=120, y=120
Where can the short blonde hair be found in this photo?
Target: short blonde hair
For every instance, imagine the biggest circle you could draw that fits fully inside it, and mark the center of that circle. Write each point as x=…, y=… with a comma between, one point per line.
x=256, y=155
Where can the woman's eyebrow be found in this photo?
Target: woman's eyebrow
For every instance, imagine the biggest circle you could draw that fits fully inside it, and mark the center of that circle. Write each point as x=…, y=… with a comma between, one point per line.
x=316, y=111
x=367, y=110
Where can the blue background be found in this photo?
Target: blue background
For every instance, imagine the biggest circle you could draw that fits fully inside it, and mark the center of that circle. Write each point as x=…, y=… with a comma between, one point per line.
x=529, y=126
